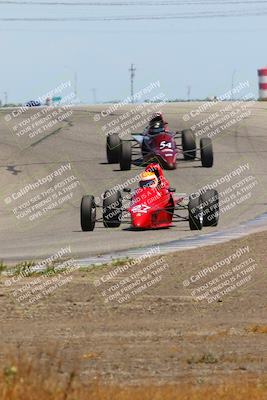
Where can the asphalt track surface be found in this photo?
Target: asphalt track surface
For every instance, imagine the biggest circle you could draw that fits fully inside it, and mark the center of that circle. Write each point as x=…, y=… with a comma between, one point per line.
x=79, y=141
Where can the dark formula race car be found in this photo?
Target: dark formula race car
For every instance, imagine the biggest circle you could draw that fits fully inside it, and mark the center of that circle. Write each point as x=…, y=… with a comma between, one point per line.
x=158, y=144
x=152, y=205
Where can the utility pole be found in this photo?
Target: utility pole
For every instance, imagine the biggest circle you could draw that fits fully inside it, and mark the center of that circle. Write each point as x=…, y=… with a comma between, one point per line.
x=132, y=71
x=233, y=84
x=75, y=84
x=94, y=95
x=5, y=93
x=188, y=92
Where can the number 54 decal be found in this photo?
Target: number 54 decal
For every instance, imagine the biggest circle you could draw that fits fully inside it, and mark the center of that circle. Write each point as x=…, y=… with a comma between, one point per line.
x=164, y=145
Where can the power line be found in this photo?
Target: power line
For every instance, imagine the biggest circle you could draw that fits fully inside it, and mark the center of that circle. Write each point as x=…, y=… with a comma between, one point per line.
x=134, y=3
x=199, y=15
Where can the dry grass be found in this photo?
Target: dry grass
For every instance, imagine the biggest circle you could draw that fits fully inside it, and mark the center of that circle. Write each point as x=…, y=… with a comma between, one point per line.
x=257, y=329
x=206, y=358
x=225, y=358
x=24, y=380
x=22, y=390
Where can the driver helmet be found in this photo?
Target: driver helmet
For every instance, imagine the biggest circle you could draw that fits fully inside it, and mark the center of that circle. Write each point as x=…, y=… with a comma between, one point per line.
x=156, y=117
x=148, y=179
x=156, y=127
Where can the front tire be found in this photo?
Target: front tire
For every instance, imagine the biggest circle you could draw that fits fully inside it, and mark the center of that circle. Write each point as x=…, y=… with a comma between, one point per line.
x=88, y=213
x=112, y=211
x=206, y=152
x=113, y=148
x=210, y=205
x=195, y=213
x=125, y=155
x=189, y=144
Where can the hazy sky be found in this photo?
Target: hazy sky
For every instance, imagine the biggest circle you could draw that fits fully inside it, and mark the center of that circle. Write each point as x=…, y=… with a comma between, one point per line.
x=203, y=53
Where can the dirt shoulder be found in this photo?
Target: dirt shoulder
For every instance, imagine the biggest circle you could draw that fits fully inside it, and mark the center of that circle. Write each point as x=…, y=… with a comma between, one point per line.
x=192, y=316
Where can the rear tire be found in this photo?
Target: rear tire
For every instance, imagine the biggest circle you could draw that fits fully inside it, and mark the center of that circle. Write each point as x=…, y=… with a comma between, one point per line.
x=188, y=144
x=195, y=213
x=113, y=148
x=125, y=155
x=112, y=212
x=88, y=213
x=210, y=205
x=206, y=152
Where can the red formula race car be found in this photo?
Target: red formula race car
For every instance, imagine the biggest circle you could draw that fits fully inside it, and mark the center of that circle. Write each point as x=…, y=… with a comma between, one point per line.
x=152, y=205
x=158, y=144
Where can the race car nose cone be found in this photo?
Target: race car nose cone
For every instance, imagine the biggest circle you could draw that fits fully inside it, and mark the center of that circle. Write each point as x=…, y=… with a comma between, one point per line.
x=136, y=223
x=139, y=221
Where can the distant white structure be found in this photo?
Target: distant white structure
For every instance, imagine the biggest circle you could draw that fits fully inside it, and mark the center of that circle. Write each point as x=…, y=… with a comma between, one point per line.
x=262, y=74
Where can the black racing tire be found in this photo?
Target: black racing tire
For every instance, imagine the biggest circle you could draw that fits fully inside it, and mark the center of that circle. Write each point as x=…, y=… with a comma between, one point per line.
x=206, y=152
x=189, y=144
x=195, y=213
x=88, y=213
x=112, y=209
x=125, y=155
x=210, y=206
x=113, y=147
